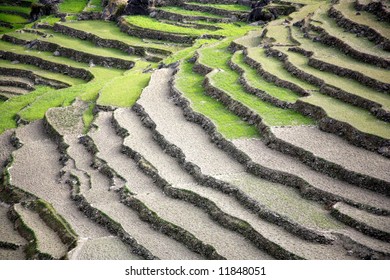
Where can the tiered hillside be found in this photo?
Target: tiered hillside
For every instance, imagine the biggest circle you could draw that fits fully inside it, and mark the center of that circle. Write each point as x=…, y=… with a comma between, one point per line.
x=193, y=133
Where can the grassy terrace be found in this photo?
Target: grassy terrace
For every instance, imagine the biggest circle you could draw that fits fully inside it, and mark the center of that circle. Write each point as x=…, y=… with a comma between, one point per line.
x=258, y=82
x=273, y=66
x=72, y=6
x=25, y=10
x=12, y=106
x=333, y=56
x=127, y=88
x=13, y=19
x=348, y=10
x=227, y=80
x=345, y=84
x=108, y=30
x=357, y=117
x=228, y=7
x=359, y=43
x=43, y=73
x=151, y=23
x=74, y=43
x=181, y=11
x=231, y=126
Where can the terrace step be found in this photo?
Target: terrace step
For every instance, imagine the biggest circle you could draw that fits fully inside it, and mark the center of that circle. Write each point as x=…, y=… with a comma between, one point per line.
x=370, y=224
x=178, y=212
x=378, y=8
x=343, y=65
x=344, y=89
x=6, y=148
x=39, y=76
x=365, y=166
x=174, y=128
x=13, y=90
x=27, y=174
x=357, y=47
x=82, y=54
x=363, y=24
x=241, y=12
x=183, y=15
x=99, y=195
x=329, y=187
x=16, y=82
x=44, y=61
x=47, y=241
x=7, y=230
x=106, y=34
x=330, y=112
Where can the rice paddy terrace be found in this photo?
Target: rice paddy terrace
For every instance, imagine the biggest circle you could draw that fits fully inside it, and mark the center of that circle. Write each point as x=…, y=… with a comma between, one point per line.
x=191, y=133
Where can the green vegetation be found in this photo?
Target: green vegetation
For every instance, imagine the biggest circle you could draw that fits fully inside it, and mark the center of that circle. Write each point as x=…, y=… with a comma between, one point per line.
x=108, y=30
x=14, y=19
x=43, y=73
x=11, y=107
x=88, y=117
x=74, y=43
x=72, y=6
x=151, y=23
x=336, y=57
x=217, y=57
x=124, y=91
x=348, y=85
x=181, y=11
x=228, y=7
x=25, y=10
x=258, y=82
x=231, y=126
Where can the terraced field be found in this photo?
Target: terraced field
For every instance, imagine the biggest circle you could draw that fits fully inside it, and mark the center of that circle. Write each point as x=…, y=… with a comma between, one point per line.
x=194, y=134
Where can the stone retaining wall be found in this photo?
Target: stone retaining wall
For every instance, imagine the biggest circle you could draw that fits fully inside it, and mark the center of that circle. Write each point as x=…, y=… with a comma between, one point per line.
x=339, y=44
x=373, y=107
x=161, y=14
x=73, y=54
x=359, y=29
x=155, y=35
x=375, y=7
x=106, y=43
x=241, y=16
x=47, y=65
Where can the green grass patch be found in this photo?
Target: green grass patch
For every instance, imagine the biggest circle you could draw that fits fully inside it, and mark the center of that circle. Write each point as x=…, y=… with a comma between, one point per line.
x=275, y=67
x=12, y=18
x=357, y=117
x=151, y=23
x=109, y=30
x=227, y=80
x=181, y=11
x=348, y=85
x=88, y=117
x=258, y=82
x=231, y=126
x=72, y=6
x=187, y=52
x=228, y=7
x=11, y=107
x=76, y=44
x=24, y=10
x=124, y=91
x=43, y=73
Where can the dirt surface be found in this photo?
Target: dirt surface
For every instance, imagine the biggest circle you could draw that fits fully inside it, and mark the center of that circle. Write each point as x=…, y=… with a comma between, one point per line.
x=48, y=241
x=191, y=138
x=336, y=150
x=273, y=159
